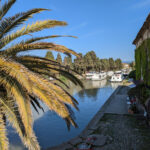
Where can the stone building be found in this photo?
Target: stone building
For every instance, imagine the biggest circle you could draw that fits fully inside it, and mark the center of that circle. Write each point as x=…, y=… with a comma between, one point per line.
x=142, y=52
x=144, y=33
x=142, y=59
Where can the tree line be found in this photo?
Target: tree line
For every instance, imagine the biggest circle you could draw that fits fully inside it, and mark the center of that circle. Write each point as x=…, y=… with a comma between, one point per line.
x=87, y=62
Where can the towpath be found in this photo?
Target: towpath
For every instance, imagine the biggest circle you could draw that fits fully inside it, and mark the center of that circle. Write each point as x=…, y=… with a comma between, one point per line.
x=116, y=104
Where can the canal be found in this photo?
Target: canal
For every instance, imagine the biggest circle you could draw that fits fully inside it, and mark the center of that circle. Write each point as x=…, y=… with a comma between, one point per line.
x=51, y=130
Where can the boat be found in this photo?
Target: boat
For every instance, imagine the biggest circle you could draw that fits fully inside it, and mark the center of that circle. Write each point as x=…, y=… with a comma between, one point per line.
x=51, y=79
x=89, y=75
x=110, y=73
x=99, y=76
x=117, y=77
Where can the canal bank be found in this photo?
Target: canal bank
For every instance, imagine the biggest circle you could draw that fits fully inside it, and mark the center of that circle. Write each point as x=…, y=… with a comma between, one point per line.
x=116, y=104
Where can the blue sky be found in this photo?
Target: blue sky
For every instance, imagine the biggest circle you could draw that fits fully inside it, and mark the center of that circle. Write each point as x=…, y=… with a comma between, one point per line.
x=106, y=26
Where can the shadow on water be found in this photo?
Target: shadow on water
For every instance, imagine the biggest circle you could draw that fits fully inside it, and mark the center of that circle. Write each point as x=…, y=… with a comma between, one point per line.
x=51, y=130
x=91, y=93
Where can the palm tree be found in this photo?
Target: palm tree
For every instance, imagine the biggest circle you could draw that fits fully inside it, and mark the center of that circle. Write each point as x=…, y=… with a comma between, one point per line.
x=23, y=79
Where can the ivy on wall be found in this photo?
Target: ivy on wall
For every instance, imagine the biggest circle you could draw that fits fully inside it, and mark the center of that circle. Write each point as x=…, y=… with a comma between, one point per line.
x=148, y=49
x=142, y=60
x=138, y=63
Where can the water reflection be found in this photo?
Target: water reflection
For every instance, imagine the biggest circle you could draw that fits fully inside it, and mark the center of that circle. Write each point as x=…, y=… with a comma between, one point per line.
x=115, y=85
x=51, y=129
x=91, y=93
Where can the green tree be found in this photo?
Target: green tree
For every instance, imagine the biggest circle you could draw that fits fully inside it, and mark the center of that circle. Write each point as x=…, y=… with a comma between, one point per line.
x=90, y=61
x=59, y=59
x=49, y=55
x=22, y=78
x=111, y=63
x=79, y=64
x=118, y=64
x=105, y=64
x=67, y=61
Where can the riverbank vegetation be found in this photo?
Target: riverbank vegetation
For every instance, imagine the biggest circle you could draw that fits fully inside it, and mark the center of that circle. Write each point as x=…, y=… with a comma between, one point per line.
x=142, y=56
x=87, y=62
x=23, y=78
x=141, y=74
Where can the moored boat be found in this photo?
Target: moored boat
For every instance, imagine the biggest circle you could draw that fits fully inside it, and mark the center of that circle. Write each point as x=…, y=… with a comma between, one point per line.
x=99, y=76
x=110, y=73
x=117, y=77
x=89, y=75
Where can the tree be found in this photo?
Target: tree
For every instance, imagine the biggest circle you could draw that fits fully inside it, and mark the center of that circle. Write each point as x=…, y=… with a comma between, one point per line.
x=79, y=64
x=111, y=63
x=22, y=78
x=49, y=55
x=118, y=64
x=90, y=61
x=59, y=59
x=68, y=62
x=105, y=64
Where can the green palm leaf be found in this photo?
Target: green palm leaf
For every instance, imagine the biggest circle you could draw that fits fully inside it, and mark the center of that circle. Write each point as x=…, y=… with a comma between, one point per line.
x=38, y=26
x=4, y=9
x=10, y=23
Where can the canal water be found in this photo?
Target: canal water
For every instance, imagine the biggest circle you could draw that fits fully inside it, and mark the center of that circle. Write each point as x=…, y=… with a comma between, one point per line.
x=51, y=130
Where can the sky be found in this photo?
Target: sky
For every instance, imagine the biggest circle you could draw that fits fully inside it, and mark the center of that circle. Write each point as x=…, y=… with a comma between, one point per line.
x=106, y=26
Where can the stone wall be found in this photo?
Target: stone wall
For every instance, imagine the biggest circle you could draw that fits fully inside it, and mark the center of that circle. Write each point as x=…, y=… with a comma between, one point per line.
x=145, y=36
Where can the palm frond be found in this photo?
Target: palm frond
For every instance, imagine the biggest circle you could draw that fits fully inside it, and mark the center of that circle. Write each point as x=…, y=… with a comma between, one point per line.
x=22, y=101
x=7, y=24
x=55, y=90
x=45, y=37
x=34, y=100
x=35, y=27
x=14, y=88
x=24, y=79
x=33, y=143
x=51, y=95
x=13, y=116
x=40, y=60
x=55, y=70
x=4, y=9
x=3, y=135
x=42, y=45
x=37, y=60
x=51, y=101
x=17, y=71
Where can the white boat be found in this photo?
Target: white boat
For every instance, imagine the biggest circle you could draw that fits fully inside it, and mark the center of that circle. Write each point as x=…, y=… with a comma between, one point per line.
x=117, y=77
x=99, y=76
x=51, y=79
x=89, y=75
x=110, y=73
